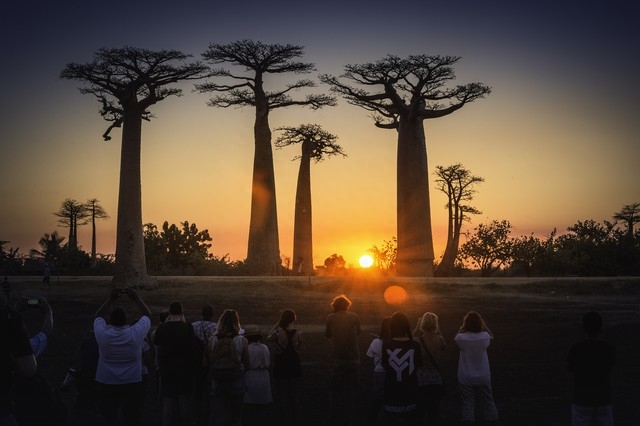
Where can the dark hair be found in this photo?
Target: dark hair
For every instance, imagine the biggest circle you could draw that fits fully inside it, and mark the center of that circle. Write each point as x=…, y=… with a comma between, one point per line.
x=118, y=317
x=592, y=323
x=472, y=322
x=399, y=326
x=207, y=312
x=288, y=316
x=384, y=328
x=341, y=303
x=164, y=315
x=175, y=308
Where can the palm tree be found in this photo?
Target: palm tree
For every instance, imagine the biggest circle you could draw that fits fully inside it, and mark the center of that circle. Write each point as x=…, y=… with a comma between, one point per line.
x=316, y=144
x=127, y=81
x=50, y=247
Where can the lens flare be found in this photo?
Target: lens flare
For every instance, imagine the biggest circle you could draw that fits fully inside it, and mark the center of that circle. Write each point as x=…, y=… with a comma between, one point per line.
x=395, y=295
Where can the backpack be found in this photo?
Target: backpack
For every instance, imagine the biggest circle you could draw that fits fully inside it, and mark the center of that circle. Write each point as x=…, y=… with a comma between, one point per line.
x=287, y=362
x=224, y=361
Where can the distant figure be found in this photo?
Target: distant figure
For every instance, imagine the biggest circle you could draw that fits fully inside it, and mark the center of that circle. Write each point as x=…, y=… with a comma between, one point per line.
x=430, y=380
x=203, y=330
x=6, y=290
x=343, y=328
x=287, y=369
x=258, y=396
x=401, y=358
x=300, y=265
x=46, y=278
x=119, y=369
x=16, y=359
x=174, y=339
x=474, y=374
x=227, y=359
x=377, y=383
x=591, y=361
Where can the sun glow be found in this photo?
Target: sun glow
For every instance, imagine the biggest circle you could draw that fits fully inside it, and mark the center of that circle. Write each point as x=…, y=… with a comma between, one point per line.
x=366, y=261
x=395, y=295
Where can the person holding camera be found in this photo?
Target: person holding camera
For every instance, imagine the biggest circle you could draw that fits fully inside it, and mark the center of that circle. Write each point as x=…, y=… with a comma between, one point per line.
x=119, y=370
x=40, y=339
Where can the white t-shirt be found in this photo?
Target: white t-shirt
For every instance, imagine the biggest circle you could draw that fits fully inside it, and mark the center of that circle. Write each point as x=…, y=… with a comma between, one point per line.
x=375, y=352
x=473, y=365
x=120, y=350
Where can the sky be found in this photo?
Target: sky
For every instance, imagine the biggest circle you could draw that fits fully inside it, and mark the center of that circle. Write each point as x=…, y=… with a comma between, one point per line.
x=556, y=141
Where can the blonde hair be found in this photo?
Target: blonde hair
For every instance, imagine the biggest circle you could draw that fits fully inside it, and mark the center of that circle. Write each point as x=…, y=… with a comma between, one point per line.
x=429, y=322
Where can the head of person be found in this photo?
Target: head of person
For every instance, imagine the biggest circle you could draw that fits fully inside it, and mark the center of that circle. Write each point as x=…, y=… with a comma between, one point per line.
x=253, y=334
x=163, y=315
x=384, y=328
x=472, y=322
x=207, y=312
x=340, y=303
x=175, y=308
x=429, y=323
x=399, y=326
x=592, y=323
x=287, y=317
x=118, y=317
x=229, y=323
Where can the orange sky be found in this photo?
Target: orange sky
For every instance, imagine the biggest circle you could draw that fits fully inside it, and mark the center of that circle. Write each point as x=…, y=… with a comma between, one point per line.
x=556, y=141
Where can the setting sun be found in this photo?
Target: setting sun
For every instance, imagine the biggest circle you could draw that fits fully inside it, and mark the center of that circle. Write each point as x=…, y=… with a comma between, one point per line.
x=366, y=261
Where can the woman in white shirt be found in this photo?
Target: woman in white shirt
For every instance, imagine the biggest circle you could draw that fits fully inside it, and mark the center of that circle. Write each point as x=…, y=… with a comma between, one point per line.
x=474, y=374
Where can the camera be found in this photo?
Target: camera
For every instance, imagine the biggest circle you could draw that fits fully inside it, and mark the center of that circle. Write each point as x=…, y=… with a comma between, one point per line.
x=123, y=290
x=33, y=302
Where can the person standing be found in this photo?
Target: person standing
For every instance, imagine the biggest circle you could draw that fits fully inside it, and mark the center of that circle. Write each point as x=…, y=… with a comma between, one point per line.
x=119, y=369
x=16, y=359
x=377, y=381
x=342, y=328
x=227, y=360
x=258, y=396
x=203, y=330
x=174, y=339
x=287, y=369
x=401, y=358
x=474, y=374
x=591, y=362
x=430, y=379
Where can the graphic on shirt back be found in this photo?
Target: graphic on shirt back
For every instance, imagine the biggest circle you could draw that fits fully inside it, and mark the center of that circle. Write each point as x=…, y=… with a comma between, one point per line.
x=400, y=363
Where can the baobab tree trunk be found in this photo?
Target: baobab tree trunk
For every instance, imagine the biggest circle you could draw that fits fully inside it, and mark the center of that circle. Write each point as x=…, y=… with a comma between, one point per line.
x=415, y=241
x=94, y=261
x=130, y=265
x=302, y=228
x=263, y=251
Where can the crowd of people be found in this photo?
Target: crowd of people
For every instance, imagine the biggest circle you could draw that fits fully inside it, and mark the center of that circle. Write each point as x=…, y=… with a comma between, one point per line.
x=217, y=373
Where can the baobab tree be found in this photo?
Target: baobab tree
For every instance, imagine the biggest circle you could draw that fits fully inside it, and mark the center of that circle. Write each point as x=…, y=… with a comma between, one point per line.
x=316, y=144
x=630, y=215
x=402, y=93
x=457, y=183
x=246, y=88
x=71, y=214
x=96, y=211
x=127, y=81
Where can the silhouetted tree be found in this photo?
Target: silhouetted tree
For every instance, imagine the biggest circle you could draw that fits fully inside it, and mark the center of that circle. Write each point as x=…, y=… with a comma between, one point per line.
x=246, y=88
x=402, y=93
x=127, y=81
x=457, y=183
x=589, y=249
x=335, y=264
x=630, y=215
x=10, y=261
x=316, y=144
x=384, y=257
x=96, y=211
x=72, y=213
x=489, y=248
x=526, y=254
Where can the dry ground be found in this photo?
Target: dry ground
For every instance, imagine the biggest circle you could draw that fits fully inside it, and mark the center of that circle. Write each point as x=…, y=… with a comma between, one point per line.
x=534, y=322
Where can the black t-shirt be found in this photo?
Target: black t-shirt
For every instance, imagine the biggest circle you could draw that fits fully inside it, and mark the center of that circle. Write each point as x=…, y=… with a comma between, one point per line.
x=400, y=358
x=175, y=346
x=591, y=361
x=15, y=338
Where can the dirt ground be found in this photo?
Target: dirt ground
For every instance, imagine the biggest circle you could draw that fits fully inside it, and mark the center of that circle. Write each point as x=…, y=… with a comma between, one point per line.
x=534, y=321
